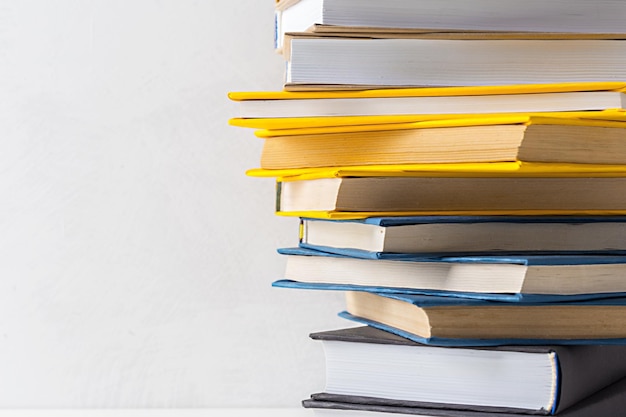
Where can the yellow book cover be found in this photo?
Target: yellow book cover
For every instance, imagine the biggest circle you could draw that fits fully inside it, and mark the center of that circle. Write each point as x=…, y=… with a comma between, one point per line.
x=300, y=125
x=606, y=119
x=487, y=169
x=431, y=91
x=344, y=215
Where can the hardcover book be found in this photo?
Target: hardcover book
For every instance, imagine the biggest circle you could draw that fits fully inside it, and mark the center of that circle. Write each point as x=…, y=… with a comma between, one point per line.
x=474, y=140
x=304, y=108
x=450, y=321
x=608, y=402
x=368, y=366
x=514, y=277
x=382, y=237
x=359, y=197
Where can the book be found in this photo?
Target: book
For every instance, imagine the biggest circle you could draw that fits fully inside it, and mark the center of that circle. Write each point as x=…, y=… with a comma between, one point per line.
x=495, y=139
x=371, y=365
x=366, y=63
x=539, y=98
x=608, y=402
x=513, y=277
x=449, y=15
x=354, y=197
x=288, y=126
x=381, y=237
x=450, y=321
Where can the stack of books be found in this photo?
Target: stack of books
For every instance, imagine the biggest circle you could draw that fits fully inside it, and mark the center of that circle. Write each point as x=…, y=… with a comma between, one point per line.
x=459, y=169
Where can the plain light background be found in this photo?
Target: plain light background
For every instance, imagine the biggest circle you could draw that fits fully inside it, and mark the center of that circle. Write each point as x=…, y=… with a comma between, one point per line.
x=135, y=255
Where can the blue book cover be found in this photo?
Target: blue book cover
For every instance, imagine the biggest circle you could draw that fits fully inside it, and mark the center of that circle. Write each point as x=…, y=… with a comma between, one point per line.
x=498, y=297
x=517, y=258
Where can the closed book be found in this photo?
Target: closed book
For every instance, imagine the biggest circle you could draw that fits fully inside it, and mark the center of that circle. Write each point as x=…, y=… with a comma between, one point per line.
x=354, y=197
x=449, y=321
x=373, y=63
x=381, y=237
x=608, y=402
x=497, y=277
x=365, y=365
x=474, y=140
x=449, y=15
x=365, y=105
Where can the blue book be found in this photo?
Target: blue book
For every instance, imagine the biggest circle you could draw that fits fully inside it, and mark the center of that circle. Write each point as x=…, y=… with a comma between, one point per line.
x=390, y=237
x=536, y=278
x=446, y=321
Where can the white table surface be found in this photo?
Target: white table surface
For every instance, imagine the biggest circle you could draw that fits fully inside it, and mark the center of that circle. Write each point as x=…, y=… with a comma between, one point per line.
x=208, y=412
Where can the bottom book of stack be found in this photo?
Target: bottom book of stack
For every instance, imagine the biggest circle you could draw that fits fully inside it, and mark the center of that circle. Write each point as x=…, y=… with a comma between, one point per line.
x=373, y=370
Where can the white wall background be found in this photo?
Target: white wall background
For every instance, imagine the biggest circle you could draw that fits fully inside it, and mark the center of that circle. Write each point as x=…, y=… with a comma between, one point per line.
x=135, y=256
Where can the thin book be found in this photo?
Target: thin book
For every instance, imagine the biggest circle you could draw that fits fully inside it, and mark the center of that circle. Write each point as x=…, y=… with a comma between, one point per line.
x=515, y=277
x=385, y=237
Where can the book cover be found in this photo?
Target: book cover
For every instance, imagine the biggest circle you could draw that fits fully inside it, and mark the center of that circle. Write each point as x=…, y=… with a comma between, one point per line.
x=268, y=127
x=491, y=169
x=614, y=118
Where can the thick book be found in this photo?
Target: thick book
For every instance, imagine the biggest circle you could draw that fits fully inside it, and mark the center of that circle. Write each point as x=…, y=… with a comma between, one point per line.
x=452, y=321
x=505, y=277
x=473, y=140
x=457, y=101
x=365, y=365
x=354, y=197
x=374, y=63
x=609, y=402
x=381, y=237
x=404, y=16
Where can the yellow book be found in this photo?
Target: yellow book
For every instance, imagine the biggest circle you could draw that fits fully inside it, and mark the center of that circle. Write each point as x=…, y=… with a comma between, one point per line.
x=484, y=139
x=566, y=118
x=537, y=182
x=406, y=194
x=292, y=110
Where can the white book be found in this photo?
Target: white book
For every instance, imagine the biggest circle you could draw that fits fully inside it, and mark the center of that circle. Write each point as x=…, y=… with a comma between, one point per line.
x=368, y=63
x=469, y=104
x=573, y=16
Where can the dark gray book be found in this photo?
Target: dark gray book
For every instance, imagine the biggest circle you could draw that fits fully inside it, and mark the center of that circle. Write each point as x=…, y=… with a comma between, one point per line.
x=370, y=369
x=609, y=402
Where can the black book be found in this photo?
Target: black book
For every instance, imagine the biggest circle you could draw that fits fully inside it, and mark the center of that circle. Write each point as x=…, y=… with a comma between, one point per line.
x=370, y=369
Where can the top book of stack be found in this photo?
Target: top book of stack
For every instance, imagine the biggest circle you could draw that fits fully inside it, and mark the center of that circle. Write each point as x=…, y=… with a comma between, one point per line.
x=343, y=44
x=599, y=18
